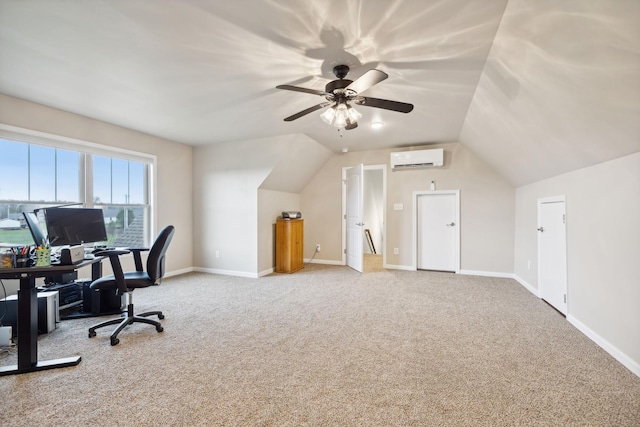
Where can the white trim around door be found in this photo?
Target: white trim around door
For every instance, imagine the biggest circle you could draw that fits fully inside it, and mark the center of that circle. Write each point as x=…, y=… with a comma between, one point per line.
x=457, y=225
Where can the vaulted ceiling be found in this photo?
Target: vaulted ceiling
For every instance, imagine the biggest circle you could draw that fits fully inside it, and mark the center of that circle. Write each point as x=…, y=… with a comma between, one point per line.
x=535, y=88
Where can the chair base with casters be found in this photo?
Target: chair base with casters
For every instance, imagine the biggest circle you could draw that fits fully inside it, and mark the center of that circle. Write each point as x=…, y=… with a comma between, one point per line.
x=128, y=319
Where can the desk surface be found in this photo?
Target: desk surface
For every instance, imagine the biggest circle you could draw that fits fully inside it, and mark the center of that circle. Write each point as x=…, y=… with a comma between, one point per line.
x=17, y=273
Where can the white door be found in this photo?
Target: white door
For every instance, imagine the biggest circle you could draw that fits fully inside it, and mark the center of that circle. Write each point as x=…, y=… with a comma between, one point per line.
x=354, y=225
x=437, y=231
x=552, y=252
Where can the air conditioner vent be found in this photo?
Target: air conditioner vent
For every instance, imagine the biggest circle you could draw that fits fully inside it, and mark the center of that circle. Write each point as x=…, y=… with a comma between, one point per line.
x=417, y=159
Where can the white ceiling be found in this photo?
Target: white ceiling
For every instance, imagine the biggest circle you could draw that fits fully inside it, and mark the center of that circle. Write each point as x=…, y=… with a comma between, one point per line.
x=203, y=72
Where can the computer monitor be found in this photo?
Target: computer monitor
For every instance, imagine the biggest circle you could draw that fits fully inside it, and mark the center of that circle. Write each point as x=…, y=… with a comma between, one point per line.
x=36, y=232
x=75, y=226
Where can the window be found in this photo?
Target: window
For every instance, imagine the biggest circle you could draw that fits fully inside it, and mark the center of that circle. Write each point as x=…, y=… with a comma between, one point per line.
x=119, y=188
x=37, y=176
x=35, y=173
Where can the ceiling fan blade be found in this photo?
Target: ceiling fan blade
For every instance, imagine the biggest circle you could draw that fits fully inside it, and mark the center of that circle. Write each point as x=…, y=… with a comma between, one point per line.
x=368, y=79
x=401, y=107
x=302, y=89
x=307, y=111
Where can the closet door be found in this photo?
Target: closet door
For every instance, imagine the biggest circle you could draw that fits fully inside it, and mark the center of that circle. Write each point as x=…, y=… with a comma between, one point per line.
x=552, y=252
x=437, y=231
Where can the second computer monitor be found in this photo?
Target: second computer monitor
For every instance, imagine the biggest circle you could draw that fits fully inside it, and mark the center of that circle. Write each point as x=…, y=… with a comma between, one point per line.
x=36, y=232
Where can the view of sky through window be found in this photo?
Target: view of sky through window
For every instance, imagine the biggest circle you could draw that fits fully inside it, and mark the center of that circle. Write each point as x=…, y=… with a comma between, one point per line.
x=38, y=173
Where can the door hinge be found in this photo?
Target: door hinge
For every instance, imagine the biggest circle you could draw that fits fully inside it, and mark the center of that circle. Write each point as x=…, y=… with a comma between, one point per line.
x=565, y=298
x=564, y=218
x=344, y=251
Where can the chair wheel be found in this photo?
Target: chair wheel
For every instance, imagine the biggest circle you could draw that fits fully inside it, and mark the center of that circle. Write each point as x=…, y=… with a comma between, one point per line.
x=92, y=334
x=160, y=316
x=114, y=341
x=159, y=328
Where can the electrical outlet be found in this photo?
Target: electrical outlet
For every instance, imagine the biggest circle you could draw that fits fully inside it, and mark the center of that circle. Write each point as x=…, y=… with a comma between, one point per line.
x=529, y=265
x=318, y=247
x=217, y=254
x=396, y=251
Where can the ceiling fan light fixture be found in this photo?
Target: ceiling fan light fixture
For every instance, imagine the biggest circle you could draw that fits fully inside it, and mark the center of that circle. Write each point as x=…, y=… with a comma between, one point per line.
x=342, y=115
x=354, y=115
x=328, y=115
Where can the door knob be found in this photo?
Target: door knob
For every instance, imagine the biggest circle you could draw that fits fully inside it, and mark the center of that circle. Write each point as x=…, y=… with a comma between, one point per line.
x=541, y=229
x=451, y=225
x=360, y=223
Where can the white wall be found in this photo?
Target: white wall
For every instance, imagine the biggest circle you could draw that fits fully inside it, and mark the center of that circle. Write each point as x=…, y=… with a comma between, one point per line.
x=603, y=250
x=487, y=208
x=226, y=181
x=228, y=214
x=174, y=203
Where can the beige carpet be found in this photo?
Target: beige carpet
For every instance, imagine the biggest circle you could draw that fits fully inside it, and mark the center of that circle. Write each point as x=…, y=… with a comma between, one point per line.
x=329, y=347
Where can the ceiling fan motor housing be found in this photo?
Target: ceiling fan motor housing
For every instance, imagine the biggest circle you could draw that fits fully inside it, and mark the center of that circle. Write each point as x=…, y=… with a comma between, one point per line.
x=337, y=84
x=341, y=71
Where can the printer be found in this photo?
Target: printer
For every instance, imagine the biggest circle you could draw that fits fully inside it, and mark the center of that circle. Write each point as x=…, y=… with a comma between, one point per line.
x=291, y=215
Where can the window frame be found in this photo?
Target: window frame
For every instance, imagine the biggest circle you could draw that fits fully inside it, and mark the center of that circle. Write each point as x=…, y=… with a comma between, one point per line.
x=87, y=150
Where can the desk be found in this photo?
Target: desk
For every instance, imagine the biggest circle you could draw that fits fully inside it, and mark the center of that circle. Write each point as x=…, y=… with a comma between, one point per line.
x=28, y=315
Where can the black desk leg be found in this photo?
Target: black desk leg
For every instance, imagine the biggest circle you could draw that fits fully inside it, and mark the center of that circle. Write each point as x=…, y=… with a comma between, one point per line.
x=96, y=273
x=28, y=335
x=27, y=325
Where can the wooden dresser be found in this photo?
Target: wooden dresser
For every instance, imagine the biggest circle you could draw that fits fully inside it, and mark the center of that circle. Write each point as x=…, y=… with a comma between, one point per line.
x=289, y=245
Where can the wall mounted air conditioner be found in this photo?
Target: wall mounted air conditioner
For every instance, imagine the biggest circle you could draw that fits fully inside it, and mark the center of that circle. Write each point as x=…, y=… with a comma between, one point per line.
x=417, y=159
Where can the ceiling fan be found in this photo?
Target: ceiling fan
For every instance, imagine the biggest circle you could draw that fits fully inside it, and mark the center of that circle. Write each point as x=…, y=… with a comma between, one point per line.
x=341, y=92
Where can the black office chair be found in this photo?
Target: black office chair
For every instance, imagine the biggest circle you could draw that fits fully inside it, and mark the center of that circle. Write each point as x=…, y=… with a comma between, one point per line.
x=125, y=283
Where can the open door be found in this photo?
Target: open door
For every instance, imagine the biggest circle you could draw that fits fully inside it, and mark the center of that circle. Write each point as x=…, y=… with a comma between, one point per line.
x=353, y=217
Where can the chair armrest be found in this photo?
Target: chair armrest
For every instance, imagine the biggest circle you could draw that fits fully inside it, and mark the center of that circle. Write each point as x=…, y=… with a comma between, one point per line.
x=137, y=257
x=116, y=266
x=112, y=252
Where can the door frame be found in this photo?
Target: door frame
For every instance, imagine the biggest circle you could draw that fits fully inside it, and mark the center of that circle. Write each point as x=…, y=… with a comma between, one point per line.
x=554, y=199
x=417, y=194
x=383, y=168
x=354, y=218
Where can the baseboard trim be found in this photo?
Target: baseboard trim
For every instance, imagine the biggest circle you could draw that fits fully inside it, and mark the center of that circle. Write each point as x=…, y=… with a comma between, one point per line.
x=322, y=261
x=179, y=272
x=399, y=267
x=526, y=285
x=226, y=272
x=620, y=356
x=266, y=272
x=486, y=274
